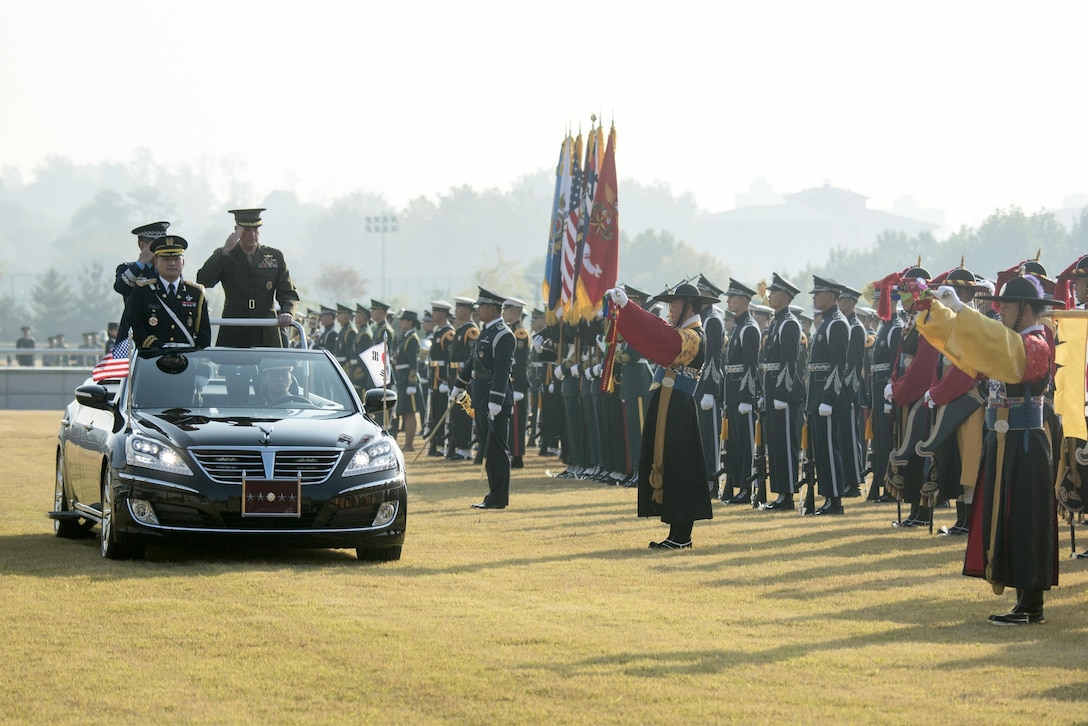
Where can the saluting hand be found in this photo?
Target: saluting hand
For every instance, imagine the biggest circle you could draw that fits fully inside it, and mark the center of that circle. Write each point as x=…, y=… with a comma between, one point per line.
x=232, y=239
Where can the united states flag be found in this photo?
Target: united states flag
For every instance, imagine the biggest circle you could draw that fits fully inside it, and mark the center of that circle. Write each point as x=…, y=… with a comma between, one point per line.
x=115, y=364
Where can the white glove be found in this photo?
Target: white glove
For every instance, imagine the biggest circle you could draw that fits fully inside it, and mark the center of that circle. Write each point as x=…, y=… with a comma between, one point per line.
x=824, y=409
x=946, y=294
x=518, y=395
x=929, y=400
x=780, y=405
x=443, y=388
x=597, y=370
x=558, y=373
x=888, y=392
x=574, y=371
x=759, y=403
x=457, y=394
x=744, y=408
x=538, y=342
x=887, y=408
x=619, y=297
x=410, y=390
x=551, y=388
x=493, y=410
x=706, y=402
x=602, y=343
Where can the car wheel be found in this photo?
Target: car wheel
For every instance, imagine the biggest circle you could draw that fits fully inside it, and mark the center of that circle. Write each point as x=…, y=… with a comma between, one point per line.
x=67, y=528
x=111, y=548
x=378, y=554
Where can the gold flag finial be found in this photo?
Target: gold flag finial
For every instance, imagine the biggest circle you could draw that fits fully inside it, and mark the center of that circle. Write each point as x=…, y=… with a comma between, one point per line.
x=961, y=262
x=1038, y=254
x=919, y=260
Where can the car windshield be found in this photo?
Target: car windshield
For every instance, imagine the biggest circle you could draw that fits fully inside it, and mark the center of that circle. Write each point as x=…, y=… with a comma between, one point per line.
x=252, y=382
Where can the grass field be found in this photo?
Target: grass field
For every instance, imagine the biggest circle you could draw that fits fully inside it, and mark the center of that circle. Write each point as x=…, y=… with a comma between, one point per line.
x=552, y=611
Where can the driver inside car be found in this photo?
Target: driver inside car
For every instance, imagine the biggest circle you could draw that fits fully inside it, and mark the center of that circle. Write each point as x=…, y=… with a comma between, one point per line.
x=279, y=385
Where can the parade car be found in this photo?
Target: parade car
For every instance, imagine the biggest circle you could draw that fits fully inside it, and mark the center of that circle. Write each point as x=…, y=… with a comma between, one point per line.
x=243, y=446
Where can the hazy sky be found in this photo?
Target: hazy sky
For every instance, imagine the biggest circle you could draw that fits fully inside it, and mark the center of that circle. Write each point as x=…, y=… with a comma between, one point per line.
x=968, y=106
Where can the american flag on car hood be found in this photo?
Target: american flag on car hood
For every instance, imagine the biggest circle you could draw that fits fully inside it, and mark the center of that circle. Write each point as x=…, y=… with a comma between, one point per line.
x=115, y=364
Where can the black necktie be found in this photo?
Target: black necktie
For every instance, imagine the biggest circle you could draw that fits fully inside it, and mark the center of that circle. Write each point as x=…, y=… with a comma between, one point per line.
x=170, y=291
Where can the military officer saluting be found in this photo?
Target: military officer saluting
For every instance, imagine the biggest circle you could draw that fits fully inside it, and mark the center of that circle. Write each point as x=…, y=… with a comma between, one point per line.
x=254, y=277
x=142, y=268
x=167, y=310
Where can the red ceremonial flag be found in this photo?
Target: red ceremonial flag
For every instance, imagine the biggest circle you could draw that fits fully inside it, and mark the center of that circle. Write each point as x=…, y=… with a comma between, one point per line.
x=601, y=255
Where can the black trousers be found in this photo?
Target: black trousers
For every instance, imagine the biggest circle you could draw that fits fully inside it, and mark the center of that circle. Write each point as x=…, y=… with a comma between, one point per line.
x=494, y=442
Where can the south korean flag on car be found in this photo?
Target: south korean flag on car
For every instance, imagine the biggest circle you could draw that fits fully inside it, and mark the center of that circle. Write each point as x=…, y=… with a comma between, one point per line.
x=376, y=360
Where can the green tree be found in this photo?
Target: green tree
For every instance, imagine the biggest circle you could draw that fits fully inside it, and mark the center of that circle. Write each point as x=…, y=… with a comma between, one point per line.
x=53, y=304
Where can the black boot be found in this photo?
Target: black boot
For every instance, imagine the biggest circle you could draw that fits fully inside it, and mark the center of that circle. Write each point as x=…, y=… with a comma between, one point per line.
x=742, y=497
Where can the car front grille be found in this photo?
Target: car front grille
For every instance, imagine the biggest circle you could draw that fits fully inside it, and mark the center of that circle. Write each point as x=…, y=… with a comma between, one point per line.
x=227, y=466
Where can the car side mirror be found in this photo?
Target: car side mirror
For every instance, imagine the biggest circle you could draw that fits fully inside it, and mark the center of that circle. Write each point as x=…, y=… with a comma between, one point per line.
x=94, y=396
x=379, y=399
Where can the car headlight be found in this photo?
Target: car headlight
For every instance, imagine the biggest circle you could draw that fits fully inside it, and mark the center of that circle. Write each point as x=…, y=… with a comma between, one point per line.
x=375, y=457
x=151, y=454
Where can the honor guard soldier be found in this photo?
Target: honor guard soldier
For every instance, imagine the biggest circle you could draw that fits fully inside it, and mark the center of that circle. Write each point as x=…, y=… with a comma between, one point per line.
x=711, y=390
x=742, y=390
x=459, y=423
x=326, y=336
x=1014, y=544
x=438, y=379
x=852, y=433
x=512, y=309
x=828, y=400
x=382, y=329
x=885, y=348
x=672, y=475
x=167, y=310
x=254, y=277
x=487, y=371
x=551, y=400
x=783, y=392
x=345, y=337
x=409, y=398
x=128, y=274
x=364, y=339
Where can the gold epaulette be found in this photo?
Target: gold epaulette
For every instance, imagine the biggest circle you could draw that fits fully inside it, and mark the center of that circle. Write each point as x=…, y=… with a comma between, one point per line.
x=196, y=285
x=870, y=339
x=472, y=333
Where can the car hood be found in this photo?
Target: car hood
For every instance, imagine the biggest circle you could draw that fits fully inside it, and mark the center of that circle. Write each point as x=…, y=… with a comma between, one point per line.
x=187, y=430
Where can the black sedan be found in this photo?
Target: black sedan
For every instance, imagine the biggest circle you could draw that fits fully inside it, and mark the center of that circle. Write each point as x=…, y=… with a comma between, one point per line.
x=254, y=446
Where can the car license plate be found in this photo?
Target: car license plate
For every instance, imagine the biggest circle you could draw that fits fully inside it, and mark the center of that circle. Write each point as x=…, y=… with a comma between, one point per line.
x=271, y=498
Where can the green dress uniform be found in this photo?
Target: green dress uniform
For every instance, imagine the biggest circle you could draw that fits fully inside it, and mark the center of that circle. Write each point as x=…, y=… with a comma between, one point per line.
x=252, y=286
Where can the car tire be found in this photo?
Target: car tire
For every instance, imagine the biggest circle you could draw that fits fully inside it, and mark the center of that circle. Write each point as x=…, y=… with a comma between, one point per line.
x=66, y=528
x=378, y=554
x=112, y=548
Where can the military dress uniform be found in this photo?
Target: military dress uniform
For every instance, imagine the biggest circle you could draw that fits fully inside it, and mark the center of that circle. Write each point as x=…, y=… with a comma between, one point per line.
x=783, y=397
x=459, y=423
x=163, y=314
x=519, y=374
x=128, y=274
x=742, y=392
x=487, y=375
x=406, y=372
x=880, y=413
x=710, y=392
x=828, y=399
x=851, y=433
x=438, y=378
x=364, y=340
x=635, y=378
x=252, y=287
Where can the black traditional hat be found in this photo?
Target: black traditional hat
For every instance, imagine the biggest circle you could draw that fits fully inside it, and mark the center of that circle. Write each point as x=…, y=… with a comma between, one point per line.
x=963, y=278
x=409, y=315
x=513, y=302
x=686, y=291
x=918, y=271
x=171, y=246
x=247, y=217
x=378, y=304
x=151, y=231
x=1022, y=289
x=739, y=288
x=441, y=305
x=709, y=287
x=487, y=297
x=825, y=284
x=342, y=308
x=783, y=285
x=1080, y=269
x=849, y=293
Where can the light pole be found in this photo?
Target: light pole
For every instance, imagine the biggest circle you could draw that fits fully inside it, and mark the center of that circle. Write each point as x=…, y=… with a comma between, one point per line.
x=382, y=224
